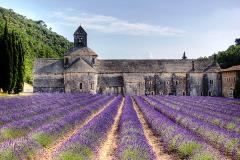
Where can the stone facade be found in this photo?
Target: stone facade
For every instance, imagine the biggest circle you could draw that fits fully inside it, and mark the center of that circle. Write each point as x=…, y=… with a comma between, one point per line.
x=229, y=79
x=81, y=71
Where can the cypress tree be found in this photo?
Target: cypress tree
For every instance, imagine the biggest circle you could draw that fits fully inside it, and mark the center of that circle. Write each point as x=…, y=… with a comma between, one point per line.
x=10, y=63
x=15, y=60
x=5, y=56
x=20, y=69
x=1, y=62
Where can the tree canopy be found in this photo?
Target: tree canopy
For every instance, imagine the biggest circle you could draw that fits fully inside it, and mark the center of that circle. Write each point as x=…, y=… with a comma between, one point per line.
x=37, y=40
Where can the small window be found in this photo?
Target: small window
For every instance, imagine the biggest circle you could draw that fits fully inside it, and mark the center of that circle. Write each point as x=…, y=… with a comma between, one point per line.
x=66, y=61
x=80, y=85
x=167, y=82
x=93, y=60
x=183, y=93
x=211, y=81
x=209, y=93
x=201, y=93
x=152, y=93
x=91, y=85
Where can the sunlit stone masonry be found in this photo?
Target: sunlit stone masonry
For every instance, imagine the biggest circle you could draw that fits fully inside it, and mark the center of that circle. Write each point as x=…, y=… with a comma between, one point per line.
x=80, y=70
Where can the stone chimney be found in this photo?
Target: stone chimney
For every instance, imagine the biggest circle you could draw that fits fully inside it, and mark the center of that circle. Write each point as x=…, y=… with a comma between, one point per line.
x=193, y=66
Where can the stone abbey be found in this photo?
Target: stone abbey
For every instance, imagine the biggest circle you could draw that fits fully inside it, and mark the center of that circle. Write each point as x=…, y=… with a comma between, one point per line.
x=80, y=70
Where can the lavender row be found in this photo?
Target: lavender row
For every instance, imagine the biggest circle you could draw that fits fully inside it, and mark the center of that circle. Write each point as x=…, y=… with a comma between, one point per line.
x=22, y=102
x=84, y=145
x=207, y=103
x=223, y=122
x=132, y=143
x=203, y=107
x=49, y=133
x=22, y=127
x=176, y=138
x=58, y=128
x=226, y=141
x=40, y=102
x=36, y=110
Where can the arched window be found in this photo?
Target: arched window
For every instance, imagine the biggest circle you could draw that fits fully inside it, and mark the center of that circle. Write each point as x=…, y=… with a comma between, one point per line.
x=91, y=86
x=209, y=93
x=80, y=85
x=93, y=60
x=66, y=61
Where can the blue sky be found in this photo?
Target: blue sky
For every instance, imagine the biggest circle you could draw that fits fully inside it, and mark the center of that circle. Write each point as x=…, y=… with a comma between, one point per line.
x=140, y=29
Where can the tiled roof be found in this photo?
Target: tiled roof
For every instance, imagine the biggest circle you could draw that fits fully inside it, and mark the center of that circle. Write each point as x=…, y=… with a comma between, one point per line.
x=151, y=66
x=48, y=66
x=233, y=68
x=84, y=51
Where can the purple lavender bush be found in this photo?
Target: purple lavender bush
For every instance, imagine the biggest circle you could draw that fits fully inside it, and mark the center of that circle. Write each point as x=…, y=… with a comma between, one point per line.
x=176, y=138
x=132, y=143
x=84, y=145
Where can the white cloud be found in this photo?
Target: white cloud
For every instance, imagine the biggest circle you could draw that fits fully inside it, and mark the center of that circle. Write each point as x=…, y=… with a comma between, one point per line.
x=108, y=24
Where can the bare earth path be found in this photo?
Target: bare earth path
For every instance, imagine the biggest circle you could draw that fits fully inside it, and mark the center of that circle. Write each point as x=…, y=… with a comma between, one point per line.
x=48, y=153
x=106, y=151
x=153, y=140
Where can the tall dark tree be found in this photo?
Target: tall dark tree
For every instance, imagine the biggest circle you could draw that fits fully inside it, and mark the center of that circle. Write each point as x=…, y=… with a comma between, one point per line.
x=11, y=62
x=6, y=75
x=15, y=52
x=1, y=62
x=20, y=69
x=184, y=56
x=237, y=41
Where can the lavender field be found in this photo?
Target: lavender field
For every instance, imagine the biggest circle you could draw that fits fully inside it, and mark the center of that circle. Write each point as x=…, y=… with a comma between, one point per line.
x=83, y=126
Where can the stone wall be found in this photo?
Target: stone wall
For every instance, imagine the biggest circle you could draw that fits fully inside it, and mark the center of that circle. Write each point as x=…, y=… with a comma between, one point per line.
x=48, y=83
x=195, y=84
x=80, y=82
x=110, y=84
x=228, y=83
x=214, y=84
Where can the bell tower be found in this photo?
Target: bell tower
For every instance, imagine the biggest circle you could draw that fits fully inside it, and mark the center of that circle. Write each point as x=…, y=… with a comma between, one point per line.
x=80, y=37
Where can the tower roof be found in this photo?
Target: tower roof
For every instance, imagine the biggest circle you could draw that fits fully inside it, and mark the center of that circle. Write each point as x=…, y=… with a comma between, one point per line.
x=80, y=30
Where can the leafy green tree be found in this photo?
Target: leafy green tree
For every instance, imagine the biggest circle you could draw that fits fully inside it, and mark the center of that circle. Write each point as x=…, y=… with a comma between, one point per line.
x=230, y=57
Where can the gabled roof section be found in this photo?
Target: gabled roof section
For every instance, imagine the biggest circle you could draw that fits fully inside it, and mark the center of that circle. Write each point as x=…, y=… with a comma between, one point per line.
x=84, y=51
x=153, y=66
x=233, y=68
x=80, y=30
x=80, y=66
x=48, y=66
x=213, y=68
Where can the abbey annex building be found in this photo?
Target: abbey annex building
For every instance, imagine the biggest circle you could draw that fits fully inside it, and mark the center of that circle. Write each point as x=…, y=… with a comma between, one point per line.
x=80, y=70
